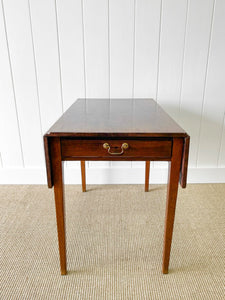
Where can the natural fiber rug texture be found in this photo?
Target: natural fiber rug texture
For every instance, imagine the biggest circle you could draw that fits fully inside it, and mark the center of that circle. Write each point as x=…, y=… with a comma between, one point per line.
x=114, y=243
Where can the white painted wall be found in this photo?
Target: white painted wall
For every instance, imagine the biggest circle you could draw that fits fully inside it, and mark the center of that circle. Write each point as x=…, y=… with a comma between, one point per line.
x=55, y=51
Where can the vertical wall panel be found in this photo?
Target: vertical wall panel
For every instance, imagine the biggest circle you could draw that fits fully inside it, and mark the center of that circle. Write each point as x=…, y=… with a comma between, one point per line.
x=96, y=48
x=173, y=25
x=71, y=50
x=95, y=20
x=11, y=155
x=70, y=31
x=194, y=72
x=22, y=58
x=121, y=30
x=171, y=55
x=147, y=26
x=221, y=154
x=214, y=100
x=43, y=19
x=1, y=165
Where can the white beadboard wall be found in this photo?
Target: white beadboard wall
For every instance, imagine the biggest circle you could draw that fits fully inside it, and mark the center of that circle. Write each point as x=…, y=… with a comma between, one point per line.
x=55, y=51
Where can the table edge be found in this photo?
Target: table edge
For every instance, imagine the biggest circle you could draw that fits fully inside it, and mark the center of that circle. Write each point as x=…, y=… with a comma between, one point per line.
x=116, y=134
x=184, y=162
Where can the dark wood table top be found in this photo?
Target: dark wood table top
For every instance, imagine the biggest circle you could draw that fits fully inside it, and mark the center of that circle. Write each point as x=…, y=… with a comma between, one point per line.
x=116, y=118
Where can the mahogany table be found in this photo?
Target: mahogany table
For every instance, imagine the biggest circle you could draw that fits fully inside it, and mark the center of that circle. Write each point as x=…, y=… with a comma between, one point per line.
x=116, y=130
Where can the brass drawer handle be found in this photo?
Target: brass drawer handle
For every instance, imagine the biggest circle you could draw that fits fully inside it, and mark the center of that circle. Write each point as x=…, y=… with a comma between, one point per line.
x=123, y=147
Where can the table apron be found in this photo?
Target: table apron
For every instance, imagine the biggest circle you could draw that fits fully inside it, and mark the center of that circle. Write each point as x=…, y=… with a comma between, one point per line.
x=116, y=150
x=90, y=158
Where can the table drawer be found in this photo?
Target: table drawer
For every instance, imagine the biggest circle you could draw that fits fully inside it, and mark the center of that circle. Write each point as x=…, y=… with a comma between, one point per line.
x=115, y=149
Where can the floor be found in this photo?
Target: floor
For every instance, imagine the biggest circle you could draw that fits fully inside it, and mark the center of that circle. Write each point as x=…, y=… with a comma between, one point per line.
x=114, y=243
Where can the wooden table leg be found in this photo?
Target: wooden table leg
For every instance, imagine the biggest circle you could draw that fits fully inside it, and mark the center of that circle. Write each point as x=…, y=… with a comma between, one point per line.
x=147, y=170
x=83, y=177
x=172, y=188
x=59, y=201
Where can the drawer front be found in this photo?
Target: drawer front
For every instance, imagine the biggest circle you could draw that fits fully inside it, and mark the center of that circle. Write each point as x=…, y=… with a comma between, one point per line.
x=115, y=149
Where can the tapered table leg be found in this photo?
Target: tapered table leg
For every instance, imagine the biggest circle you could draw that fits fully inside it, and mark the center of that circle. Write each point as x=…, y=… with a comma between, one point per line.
x=174, y=171
x=83, y=177
x=147, y=170
x=59, y=200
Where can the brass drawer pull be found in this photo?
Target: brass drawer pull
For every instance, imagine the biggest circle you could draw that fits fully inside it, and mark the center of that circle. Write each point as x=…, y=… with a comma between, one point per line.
x=123, y=147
